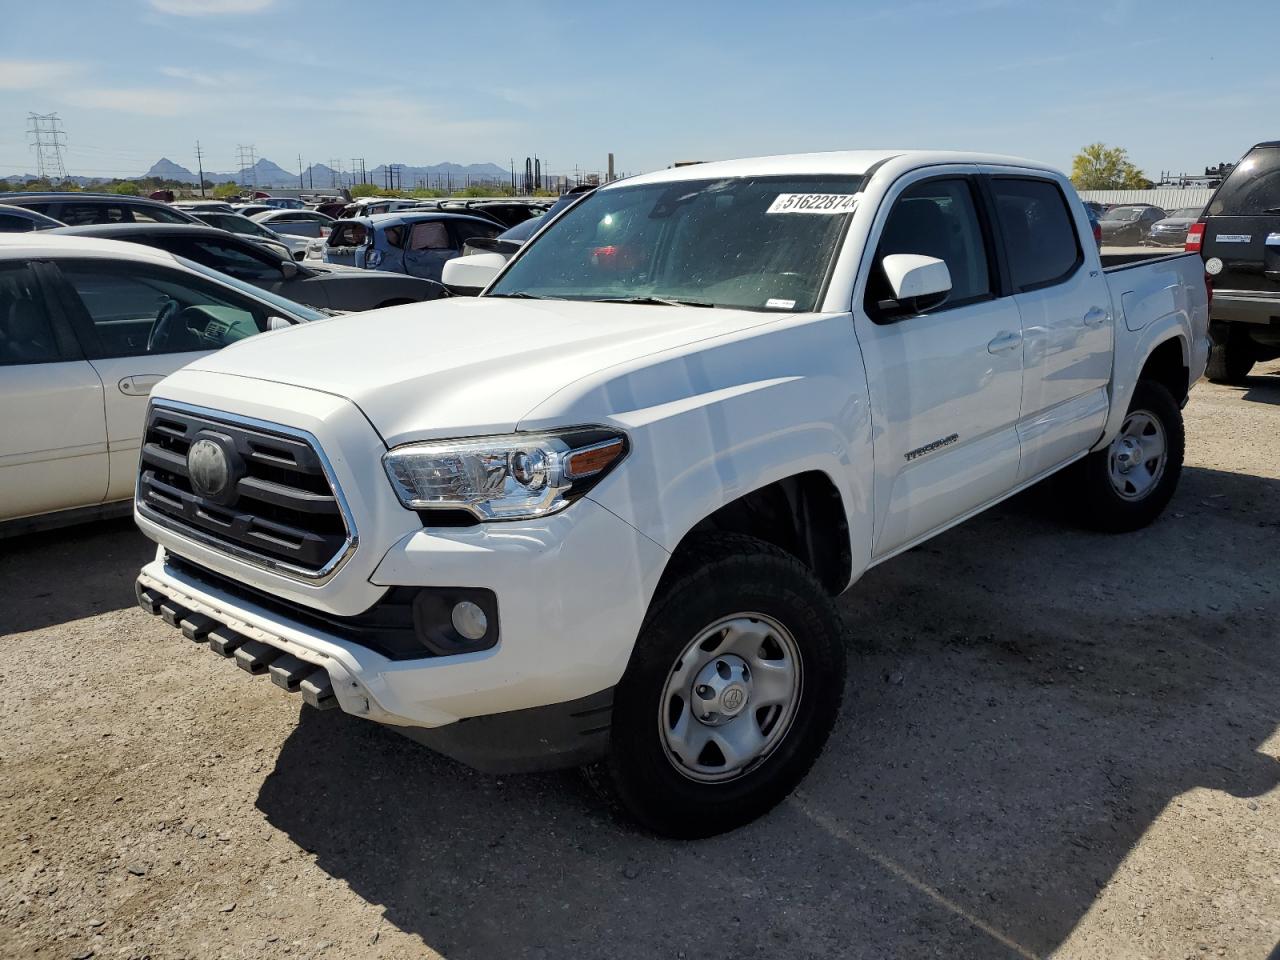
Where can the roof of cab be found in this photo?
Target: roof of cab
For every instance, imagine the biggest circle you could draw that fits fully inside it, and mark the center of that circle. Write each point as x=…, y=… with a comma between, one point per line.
x=836, y=162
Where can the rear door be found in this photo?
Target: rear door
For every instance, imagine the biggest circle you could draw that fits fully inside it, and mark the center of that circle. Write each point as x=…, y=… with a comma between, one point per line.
x=1242, y=225
x=53, y=433
x=1064, y=303
x=428, y=246
x=139, y=323
x=945, y=384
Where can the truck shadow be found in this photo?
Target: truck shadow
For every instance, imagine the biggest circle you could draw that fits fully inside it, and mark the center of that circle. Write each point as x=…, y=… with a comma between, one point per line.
x=1026, y=700
x=105, y=556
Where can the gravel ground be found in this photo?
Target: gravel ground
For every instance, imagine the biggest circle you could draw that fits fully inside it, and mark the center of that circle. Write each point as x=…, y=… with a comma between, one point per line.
x=1057, y=744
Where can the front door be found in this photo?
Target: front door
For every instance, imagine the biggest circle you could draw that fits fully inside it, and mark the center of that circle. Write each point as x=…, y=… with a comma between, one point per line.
x=945, y=384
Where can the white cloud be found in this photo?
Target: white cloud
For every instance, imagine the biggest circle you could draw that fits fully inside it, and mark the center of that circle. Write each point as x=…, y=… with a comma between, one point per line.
x=35, y=74
x=209, y=8
x=146, y=101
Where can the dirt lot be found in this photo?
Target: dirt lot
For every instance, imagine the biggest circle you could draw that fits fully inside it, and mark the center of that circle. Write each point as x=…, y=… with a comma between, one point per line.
x=1058, y=744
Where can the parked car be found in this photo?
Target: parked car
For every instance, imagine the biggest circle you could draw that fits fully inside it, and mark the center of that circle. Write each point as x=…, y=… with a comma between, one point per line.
x=21, y=220
x=283, y=247
x=1128, y=224
x=508, y=211
x=371, y=206
x=504, y=244
x=1239, y=239
x=307, y=224
x=1172, y=230
x=1094, y=225
x=75, y=209
x=418, y=244
x=602, y=511
x=1096, y=208
x=87, y=328
x=322, y=286
x=250, y=209
x=282, y=203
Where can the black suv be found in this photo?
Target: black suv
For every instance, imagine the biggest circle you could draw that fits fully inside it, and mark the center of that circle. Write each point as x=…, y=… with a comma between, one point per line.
x=82, y=209
x=1239, y=238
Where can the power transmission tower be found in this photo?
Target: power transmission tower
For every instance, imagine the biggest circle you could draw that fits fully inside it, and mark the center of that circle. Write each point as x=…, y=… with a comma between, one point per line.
x=200, y=167
x=48, y=140
x=336, y=167
x=248, y=165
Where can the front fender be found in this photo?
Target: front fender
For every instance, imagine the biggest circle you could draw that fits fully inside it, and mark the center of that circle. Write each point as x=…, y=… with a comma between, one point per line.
x=715, y=423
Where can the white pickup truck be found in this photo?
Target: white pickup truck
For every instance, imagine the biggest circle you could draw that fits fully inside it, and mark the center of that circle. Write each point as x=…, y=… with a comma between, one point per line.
x=599, y=514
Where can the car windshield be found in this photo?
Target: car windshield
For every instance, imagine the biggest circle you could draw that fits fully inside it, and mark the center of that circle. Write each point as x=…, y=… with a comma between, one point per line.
x=1123, y=213
x=1185, y=213
x=756, y=243
x=1253, y=186
x=266, y=296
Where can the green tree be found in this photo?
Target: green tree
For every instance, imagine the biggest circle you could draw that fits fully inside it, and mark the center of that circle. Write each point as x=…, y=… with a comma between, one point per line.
x=126, y=187
x=224, y=190
x=1100, y=167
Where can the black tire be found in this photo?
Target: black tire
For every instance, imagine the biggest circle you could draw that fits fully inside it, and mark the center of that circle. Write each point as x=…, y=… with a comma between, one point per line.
x=1095, y=500
x=1231, y=358
x=717, y=576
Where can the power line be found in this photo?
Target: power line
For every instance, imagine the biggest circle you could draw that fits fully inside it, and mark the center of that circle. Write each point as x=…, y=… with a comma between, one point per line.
x=48, y=139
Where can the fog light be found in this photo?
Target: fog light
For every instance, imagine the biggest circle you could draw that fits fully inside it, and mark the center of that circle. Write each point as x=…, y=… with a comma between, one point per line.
x=469, y=620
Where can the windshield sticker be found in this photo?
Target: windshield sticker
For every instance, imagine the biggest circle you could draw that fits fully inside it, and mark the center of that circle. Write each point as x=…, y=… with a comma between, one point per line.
x=829, y=203
x=1233, y=237
x=774, y=303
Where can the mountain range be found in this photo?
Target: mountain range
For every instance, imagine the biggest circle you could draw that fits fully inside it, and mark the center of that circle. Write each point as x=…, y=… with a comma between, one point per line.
x=265, y=173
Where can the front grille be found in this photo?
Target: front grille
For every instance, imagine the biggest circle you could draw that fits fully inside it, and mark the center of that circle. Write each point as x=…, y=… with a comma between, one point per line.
x=279, y=510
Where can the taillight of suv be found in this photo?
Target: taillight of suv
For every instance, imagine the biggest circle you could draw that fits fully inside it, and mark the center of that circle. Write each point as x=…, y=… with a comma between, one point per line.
x=1195, y=238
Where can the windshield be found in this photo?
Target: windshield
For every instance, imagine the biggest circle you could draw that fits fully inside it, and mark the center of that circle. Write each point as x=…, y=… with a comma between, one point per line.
x=756, y=243
x=1123, y=213
x=265, y=296
x=1185, y=213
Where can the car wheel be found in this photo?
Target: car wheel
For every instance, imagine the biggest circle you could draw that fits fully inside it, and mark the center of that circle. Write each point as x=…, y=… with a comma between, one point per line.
x=1231, y=358
x=1126, y=485
x=734, y=684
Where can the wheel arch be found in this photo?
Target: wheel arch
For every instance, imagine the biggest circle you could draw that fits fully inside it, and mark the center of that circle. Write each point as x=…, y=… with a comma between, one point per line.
x=803, y=514
x=1167, y=364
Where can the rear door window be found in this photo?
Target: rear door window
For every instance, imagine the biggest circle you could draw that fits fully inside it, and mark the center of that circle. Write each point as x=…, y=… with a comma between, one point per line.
x=1252, y=188
x=465, y=231
x=1039, y=233
x=12, y=223
x=432, y=235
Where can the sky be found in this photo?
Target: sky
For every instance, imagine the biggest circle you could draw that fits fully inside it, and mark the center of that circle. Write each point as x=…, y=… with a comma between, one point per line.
x=417, y=83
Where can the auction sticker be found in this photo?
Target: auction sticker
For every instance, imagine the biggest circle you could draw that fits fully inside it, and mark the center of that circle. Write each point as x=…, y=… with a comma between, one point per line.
x=829, y=203
x=1233, y=237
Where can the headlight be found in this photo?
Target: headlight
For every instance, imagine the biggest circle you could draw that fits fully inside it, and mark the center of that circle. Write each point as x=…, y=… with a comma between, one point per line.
x=515, y=477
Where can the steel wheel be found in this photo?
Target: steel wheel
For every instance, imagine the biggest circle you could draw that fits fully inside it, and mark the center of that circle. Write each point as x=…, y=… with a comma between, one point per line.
x=1137, y=456
x=730, y=698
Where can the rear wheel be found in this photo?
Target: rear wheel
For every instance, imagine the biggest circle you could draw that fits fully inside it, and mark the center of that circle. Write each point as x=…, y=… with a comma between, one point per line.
x=1126, y=485
x=1231, y=357
x=734, y=685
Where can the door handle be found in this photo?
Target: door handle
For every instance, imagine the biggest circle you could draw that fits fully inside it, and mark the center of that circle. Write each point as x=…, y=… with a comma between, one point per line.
x=1095, y=317
x=139, y=385
x=1005, y=341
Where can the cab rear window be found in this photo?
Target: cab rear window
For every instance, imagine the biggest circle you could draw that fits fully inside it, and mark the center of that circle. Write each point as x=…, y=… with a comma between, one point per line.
x=348, y=235
x=1252, y=188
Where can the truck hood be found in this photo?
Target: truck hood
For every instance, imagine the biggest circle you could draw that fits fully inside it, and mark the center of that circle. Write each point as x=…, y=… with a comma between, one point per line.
x=466, y=366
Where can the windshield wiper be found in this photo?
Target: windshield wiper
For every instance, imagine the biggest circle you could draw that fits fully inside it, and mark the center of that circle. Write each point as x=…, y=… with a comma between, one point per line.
x=521, y=295
x=654, y=301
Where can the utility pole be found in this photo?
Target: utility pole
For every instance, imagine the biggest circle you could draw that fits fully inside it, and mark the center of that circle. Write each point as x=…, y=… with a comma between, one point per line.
x=248, y=165
x=301, y=184
x=48, y=140
x=200, y=167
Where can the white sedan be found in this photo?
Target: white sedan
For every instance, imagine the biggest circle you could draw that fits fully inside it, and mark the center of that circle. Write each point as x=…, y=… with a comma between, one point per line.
x=87, y=328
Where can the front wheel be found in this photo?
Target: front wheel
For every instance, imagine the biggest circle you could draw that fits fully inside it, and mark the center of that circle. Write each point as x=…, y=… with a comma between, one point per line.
x=734, y=685
x=1126, y=485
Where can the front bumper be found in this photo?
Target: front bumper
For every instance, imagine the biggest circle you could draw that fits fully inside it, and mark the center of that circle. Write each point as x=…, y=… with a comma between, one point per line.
x=572, y=590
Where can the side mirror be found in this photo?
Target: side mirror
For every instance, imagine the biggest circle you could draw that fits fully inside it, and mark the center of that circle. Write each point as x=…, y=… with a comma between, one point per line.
x=472, y=274
x=288, y=269
x=918, y=282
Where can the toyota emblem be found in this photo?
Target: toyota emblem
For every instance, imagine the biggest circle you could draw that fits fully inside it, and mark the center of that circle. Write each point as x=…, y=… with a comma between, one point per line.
x=208, y=469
